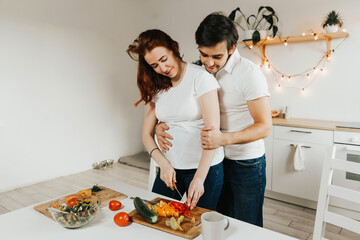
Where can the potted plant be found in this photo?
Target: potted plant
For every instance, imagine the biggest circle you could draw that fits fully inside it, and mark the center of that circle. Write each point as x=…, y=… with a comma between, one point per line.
x=332, y=22
x=265, y=19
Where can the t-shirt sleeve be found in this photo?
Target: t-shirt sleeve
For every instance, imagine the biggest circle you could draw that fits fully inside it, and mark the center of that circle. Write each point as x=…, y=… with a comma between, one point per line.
x=255, y=84
x=205, y=82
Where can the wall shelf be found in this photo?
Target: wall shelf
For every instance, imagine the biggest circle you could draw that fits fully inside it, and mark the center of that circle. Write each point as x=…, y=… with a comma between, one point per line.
x=320, y=36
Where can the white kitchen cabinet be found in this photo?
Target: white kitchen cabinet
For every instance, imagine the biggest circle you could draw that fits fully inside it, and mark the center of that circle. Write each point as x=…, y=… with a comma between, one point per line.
x=268, y=155
x=285, y=179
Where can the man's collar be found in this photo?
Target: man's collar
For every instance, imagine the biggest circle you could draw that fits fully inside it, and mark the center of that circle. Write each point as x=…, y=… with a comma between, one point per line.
x=229, y=66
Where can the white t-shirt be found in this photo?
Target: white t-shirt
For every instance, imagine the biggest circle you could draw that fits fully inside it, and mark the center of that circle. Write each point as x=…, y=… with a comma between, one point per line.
x=179, y=109
x=240, y=80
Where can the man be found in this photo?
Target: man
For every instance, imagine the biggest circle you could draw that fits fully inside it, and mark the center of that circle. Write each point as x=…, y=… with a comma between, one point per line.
x=245, y=119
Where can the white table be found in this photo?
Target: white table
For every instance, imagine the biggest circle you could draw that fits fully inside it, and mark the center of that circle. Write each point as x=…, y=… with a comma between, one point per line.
x=28, y=224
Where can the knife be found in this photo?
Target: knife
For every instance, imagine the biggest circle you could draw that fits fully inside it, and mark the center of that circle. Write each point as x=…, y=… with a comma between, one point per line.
x=175, y=187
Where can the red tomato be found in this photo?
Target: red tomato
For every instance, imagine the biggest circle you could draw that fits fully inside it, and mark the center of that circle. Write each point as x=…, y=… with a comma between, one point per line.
x=121, y=219
x=72, y=201
x=114, y=205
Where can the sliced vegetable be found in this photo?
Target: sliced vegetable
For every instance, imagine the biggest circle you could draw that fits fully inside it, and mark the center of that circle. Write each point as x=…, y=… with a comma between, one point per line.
x=96, y=188
x=85, y=192
x=174, y=224
x=144, y=211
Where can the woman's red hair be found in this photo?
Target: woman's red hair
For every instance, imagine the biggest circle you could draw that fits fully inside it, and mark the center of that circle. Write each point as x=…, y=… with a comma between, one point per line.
x=149, y=82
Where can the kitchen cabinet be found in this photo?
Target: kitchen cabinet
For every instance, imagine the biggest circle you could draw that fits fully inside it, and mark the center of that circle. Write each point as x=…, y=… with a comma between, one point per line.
x=285, y=179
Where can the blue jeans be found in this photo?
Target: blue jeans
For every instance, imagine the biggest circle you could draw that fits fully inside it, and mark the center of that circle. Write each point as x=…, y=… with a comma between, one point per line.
x=212, y=185
x=242, y=195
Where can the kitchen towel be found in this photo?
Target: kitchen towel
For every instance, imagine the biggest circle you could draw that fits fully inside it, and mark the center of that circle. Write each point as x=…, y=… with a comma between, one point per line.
x=299, y=161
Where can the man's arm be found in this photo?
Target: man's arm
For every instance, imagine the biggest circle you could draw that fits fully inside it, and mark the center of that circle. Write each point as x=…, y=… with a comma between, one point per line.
x=260, y=112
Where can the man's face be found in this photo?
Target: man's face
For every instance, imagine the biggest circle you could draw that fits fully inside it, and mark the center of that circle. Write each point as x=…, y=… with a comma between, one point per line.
x=214, y=58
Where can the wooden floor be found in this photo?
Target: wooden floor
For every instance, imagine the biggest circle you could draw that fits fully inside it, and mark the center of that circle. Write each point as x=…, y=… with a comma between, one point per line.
x=281, y=217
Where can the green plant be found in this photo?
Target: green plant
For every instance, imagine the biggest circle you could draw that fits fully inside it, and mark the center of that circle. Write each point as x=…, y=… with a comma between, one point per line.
x=333, y=18
x=264, y=19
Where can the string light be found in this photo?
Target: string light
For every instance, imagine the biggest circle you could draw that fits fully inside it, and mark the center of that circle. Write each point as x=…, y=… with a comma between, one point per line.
x=310, y=74
x=344, y=30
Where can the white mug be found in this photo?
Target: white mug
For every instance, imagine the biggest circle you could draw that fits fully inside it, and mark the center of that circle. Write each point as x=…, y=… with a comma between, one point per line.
x=213, y=226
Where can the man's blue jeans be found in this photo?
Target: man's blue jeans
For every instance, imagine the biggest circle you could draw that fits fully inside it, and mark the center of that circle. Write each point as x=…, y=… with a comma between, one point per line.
x=212, y=185
x=242, y=195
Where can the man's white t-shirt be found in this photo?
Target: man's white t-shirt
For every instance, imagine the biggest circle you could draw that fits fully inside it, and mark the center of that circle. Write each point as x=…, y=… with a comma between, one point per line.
x=179, y=108
x=241, y=81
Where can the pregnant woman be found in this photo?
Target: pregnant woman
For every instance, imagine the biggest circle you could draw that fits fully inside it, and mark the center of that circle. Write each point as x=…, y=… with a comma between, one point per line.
x=184, y=96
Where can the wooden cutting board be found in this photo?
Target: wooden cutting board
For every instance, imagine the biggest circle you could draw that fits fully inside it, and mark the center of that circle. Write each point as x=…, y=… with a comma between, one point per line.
x=106, y=195
x=191, y=230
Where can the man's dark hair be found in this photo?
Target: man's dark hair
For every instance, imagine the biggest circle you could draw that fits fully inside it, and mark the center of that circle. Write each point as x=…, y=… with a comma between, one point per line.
x=216, y=28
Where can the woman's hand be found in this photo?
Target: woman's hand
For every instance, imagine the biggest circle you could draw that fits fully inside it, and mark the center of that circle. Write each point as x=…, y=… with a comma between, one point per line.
x=196, y=190
x=168, y=175
x=162, y=136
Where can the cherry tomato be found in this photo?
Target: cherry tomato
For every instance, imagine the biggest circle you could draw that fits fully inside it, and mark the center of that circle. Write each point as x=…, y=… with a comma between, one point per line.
x=114, y=205
x=121, y=219
x=72, y=201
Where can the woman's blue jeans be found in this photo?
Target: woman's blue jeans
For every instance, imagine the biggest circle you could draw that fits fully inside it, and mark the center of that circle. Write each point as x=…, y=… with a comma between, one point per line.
x=212, y=185
x=242, y=195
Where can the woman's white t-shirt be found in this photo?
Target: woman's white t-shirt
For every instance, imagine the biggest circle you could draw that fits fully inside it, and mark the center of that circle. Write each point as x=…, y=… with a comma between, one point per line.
x=179, y=108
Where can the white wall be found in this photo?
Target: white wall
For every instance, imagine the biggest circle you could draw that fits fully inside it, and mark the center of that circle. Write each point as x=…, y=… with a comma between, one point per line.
x=67, y=86
x=334, y=96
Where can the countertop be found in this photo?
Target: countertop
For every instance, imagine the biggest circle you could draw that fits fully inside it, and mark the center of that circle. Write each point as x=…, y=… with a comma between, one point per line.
x=312, y=124
x=26, y=223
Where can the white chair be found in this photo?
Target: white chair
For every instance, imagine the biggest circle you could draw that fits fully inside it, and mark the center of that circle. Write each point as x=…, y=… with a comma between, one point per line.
x=327, y=190
x=152, y=173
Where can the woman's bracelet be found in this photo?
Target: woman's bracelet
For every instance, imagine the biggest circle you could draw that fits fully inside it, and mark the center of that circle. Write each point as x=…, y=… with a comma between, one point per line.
x=153, y=150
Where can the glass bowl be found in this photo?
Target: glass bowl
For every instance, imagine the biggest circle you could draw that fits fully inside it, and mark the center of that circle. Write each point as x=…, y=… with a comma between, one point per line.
x=78, y=215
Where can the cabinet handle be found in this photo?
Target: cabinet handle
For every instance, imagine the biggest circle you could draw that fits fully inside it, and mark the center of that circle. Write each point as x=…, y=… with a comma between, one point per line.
x=297, y=131
x=292, y=145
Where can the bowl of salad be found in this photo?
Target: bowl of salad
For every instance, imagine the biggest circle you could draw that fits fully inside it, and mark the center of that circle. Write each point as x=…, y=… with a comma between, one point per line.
x=75, y=211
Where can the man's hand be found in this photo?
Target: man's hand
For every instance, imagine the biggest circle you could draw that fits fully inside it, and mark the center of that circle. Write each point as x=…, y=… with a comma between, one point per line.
x=162, y=136
x=211, y=138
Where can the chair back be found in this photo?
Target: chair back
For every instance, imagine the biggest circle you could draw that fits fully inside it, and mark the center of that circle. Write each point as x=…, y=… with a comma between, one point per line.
x=327, y=190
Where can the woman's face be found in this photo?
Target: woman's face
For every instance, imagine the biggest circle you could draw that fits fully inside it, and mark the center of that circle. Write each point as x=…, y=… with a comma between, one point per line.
x=163, y=61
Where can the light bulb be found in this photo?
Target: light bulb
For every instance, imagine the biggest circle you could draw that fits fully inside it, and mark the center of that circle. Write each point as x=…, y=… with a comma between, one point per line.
x=282, y=77
x=344, y=30
x=268, y=67
x=303, y=34
x=285, y=43
x=289, y=78
x=315, y=69
x=315, y=36
x=268, y=37
x=328, y=57
x=251, y=46
x=302, y=91
x=308, y=76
